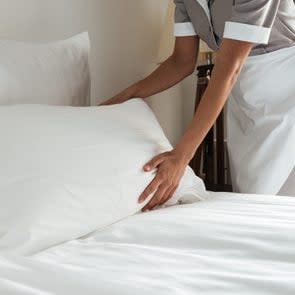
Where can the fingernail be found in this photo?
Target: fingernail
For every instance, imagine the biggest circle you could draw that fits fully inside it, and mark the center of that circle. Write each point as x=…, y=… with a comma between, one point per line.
x=147, y=168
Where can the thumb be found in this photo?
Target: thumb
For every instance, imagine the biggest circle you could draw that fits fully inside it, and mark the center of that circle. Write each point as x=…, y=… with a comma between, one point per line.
x=155, y=162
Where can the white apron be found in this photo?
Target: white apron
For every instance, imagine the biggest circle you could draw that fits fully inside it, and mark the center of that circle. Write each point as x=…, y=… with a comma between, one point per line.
x=261, y=123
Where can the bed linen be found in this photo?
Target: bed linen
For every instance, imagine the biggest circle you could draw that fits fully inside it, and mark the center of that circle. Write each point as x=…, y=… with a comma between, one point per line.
x=67, y=171
x=55, y=73
x=226, y=244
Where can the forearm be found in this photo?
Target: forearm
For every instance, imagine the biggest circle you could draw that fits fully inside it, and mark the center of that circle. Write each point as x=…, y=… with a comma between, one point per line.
x=165, y=76
x=178, y=66
x=227, y=68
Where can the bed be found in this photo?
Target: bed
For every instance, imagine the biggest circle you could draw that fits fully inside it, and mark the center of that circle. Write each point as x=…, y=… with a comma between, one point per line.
x=219, y=243
x=227, y=244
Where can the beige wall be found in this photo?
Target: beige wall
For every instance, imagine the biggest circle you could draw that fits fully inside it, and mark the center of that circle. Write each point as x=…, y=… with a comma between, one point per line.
x=124, y=33
x=125, y=36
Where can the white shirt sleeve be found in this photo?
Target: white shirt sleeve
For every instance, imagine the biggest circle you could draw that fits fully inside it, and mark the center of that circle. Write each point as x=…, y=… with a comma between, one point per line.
x=252, y=20
x=183, y=25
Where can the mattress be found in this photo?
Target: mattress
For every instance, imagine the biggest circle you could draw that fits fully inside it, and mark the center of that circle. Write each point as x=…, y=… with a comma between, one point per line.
x=227, y=244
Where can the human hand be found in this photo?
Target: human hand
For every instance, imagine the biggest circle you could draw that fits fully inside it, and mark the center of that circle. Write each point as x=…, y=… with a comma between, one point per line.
x=121, y=97
x=170, y=169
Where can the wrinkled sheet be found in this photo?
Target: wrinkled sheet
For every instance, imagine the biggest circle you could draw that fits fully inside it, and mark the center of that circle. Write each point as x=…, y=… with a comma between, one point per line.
x=67, y=171
x=227, y=244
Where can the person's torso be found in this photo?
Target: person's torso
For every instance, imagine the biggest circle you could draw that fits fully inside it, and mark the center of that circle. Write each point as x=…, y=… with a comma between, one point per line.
x=209, y=18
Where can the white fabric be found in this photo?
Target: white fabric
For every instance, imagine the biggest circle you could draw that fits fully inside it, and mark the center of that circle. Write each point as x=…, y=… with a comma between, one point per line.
x=184, y=29
x=261, y=123
x=67, y=171
x=246, y=32
x=225, y=245
x=54, y=73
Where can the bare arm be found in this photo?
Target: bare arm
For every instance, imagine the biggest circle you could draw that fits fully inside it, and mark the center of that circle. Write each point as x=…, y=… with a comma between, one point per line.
x=229, y=62
x=171, y=165
x=178, y=66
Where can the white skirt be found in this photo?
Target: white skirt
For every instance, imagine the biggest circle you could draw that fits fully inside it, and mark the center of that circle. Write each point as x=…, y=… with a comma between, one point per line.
x=261, y=123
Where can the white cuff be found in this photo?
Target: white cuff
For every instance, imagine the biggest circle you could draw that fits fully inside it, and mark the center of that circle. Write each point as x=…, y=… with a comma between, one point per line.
x=184, y=29
x=247, y=33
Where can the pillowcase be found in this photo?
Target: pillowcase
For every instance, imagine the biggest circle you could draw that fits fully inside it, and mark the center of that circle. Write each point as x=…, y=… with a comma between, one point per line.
x=67, y=171
x=54, y=73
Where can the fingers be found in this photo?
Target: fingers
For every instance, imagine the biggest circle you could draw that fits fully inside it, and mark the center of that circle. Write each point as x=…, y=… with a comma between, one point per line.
x=105, y=103
x=168, y=196
x=115, y=100
x=155, y=199
x=108, y=102
x=155, y=162
x=151, y=188
x=164, y=184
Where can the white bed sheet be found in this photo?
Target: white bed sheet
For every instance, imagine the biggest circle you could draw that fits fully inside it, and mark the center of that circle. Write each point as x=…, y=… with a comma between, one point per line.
x=227, y=244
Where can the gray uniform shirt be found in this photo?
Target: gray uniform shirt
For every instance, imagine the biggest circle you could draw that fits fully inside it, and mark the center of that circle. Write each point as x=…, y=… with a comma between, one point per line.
x=270, y=24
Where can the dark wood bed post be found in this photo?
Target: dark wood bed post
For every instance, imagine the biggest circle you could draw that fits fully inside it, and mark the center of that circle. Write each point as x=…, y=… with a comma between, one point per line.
x=210, y=161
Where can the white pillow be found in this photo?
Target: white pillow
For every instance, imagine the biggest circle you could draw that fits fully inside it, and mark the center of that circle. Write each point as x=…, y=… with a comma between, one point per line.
x=67, y=171
x=55, y=73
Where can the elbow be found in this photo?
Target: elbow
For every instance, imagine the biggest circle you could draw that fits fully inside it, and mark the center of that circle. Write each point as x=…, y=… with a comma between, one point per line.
x=191, y=69
x=188, y=68
x=229, y=69
x=229, y=63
